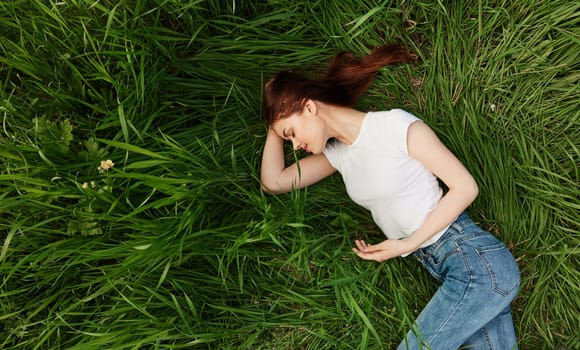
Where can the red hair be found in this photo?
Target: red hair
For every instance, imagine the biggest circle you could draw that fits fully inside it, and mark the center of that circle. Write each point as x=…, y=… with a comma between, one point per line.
x=346, y=79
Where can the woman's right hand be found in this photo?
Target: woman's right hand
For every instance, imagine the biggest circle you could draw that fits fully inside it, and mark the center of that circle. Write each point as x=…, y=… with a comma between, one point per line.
x=277, y=178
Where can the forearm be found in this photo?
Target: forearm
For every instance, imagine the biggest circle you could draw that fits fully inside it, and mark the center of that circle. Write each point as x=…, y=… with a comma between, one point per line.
x=276, y=177
x=444, y=213
x=272, y=160
x=273, y=156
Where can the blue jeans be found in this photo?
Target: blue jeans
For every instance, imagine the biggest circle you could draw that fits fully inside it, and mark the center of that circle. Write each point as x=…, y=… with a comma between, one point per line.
x=479, y=279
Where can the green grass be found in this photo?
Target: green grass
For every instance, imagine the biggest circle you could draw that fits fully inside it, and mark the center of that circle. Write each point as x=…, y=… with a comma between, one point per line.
x=176, y=247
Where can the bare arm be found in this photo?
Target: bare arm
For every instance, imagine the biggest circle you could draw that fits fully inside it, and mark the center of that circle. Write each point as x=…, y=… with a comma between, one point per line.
x=426, y=147
x=277, y=178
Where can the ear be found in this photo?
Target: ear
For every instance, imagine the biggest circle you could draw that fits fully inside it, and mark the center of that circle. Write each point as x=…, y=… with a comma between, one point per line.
x=310, y=108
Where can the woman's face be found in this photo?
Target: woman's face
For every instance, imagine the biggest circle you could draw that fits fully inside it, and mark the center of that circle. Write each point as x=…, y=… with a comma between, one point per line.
x=305, y=130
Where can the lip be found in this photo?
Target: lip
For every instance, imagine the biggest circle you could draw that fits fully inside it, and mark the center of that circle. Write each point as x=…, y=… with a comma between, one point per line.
x=306, y=148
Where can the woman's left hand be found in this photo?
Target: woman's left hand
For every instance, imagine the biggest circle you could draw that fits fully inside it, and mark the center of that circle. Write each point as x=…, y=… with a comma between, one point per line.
x=388, y=249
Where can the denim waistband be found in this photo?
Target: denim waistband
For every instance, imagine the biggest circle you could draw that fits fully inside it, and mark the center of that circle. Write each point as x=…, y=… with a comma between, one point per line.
x=462, y=221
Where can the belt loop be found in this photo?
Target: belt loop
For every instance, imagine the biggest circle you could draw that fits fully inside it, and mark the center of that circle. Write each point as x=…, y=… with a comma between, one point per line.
x=419, y=254
x=458, y=223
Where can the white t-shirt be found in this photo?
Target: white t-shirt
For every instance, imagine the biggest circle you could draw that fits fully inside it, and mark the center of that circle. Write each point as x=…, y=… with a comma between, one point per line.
x=380, y=175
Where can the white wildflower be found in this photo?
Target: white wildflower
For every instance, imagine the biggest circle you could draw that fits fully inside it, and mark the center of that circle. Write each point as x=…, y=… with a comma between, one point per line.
x=105, y=165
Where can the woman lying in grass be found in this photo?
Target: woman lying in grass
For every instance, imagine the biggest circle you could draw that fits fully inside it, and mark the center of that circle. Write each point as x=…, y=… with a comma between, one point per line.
x=390, y=162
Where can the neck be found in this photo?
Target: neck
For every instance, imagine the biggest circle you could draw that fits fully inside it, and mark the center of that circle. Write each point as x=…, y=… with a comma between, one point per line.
x=342, y=123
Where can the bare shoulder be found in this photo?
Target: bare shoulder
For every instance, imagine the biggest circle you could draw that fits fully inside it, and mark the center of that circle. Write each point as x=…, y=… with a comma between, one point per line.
x=420, y=133
x=424, y=145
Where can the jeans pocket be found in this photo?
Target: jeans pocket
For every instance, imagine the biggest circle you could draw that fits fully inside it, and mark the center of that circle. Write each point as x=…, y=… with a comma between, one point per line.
x=502, y=268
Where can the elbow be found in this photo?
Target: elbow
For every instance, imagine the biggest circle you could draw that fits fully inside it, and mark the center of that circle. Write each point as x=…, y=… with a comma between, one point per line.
x=472, y=191
x=268, y=187
x=465, y=192
x=265, y=186
x=265, y=183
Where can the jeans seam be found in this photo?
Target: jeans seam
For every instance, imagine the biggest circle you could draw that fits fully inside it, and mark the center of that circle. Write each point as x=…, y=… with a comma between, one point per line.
x=487, y=338
x=460, y=303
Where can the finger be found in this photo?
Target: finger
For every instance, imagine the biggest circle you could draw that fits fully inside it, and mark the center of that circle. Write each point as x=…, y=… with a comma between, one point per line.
x=361, y=245
x=378, y=256
x=369, y=247
x=368, y=256
x=364, y=243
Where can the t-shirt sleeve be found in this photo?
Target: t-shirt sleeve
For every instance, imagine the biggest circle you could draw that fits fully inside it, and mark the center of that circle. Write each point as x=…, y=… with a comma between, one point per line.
x=331, y=153
x=398, y=123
